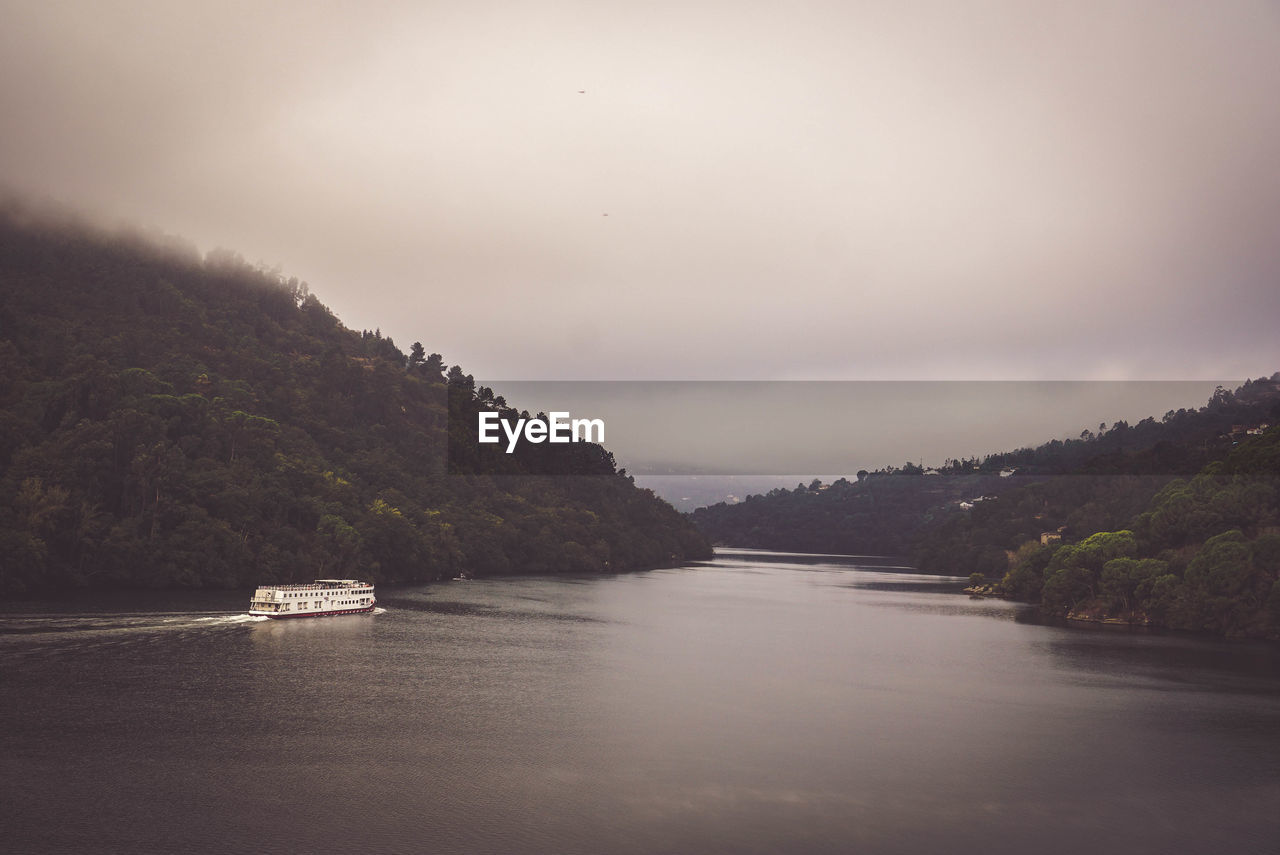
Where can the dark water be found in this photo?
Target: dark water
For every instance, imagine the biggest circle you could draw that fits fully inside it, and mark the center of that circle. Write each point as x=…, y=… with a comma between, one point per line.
x=741, y=706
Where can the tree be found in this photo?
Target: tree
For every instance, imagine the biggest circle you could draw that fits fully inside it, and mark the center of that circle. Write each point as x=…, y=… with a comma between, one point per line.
x=339, y=541
x=458, y=380
x=1025, y=578
x=1065, y=589
x=1122, y=578
x=166, y=422
x=433, y=368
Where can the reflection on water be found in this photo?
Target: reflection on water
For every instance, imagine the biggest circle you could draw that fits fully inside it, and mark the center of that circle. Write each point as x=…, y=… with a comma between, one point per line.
x=757, y=703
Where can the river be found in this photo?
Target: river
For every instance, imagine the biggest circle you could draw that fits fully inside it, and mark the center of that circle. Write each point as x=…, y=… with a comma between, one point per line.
x=756, y=703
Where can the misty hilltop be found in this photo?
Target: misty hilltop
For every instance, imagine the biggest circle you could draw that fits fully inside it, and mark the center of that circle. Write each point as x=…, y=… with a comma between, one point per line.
x=1018, y=191
x=1171, y=522
x=172, y=420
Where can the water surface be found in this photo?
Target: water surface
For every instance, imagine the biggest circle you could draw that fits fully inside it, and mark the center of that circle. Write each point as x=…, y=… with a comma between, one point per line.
x=757, y=703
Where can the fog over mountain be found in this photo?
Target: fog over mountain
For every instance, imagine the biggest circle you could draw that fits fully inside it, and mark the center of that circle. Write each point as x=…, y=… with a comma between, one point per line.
x=698, y=191
x=758, y=428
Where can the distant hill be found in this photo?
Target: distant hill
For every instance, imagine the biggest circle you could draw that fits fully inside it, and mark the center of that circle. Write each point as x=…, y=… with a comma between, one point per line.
x=878, y=514
x=1202, y=554
x=171, y=420
x=1176, y=491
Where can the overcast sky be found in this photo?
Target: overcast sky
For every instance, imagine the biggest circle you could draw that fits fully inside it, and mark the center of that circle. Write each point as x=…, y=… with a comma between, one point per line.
x=698, y=190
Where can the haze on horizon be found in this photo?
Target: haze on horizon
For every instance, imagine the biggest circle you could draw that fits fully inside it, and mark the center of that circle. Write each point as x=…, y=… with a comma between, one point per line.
x=706, y=190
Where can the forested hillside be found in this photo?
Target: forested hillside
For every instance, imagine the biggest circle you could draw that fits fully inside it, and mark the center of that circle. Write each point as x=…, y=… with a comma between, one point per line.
x=168, y=420
x=1203, y=555
x=879, y=514
x=1186, y=505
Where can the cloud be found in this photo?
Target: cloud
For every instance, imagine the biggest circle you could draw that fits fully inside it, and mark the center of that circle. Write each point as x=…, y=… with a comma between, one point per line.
x=1015, y=190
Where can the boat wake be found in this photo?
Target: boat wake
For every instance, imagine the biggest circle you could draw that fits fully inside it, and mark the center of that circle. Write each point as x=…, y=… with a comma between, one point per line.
x=32, y=633
x=233, y=619
x=379, y=610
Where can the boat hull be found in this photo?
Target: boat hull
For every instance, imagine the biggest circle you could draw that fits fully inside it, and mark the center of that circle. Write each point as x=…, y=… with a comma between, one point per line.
x=292, y=616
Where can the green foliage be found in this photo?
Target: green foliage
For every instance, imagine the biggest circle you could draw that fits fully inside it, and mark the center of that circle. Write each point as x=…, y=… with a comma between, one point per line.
x=1204, y=556
x=1124, y=523
x=171, y=422
x=1123, y=578
x=1266, y=553
x=1025, y=578
x=1202, y=552
x=1075, y=573
x=877, y=514
x=1097, y=549
x=1065, y=588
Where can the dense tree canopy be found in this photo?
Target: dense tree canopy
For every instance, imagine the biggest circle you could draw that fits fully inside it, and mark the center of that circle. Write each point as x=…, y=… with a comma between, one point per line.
x=1171, y=522
x=1204, y=555
x=171, y=420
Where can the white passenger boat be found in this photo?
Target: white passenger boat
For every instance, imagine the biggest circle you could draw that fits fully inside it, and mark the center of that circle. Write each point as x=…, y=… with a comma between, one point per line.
x=321, y=598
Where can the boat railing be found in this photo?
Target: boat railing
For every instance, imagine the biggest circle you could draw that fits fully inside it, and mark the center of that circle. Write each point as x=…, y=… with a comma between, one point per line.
x=313, y=587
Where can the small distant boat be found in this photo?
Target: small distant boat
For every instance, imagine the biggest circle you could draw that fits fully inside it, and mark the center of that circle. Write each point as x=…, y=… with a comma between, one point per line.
x=321, y=598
